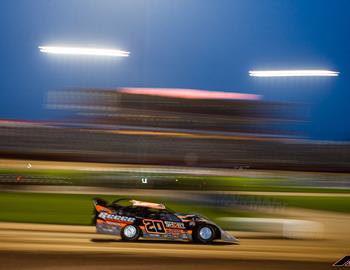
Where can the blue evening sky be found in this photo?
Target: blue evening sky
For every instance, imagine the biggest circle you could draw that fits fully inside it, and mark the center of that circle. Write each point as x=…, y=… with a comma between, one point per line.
x=204, y=44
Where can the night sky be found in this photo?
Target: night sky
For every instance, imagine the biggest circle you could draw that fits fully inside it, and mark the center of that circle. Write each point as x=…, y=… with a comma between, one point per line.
x=183, y=44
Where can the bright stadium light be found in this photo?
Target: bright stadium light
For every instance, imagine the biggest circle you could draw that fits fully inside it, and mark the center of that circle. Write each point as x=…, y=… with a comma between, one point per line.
x=83, y=51
x=292, y=73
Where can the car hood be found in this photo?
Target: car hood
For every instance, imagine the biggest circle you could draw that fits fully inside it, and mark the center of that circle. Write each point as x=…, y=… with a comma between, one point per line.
x=195, y=218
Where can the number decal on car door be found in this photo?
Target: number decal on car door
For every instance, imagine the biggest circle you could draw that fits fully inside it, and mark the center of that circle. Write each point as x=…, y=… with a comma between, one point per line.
x=154, y=226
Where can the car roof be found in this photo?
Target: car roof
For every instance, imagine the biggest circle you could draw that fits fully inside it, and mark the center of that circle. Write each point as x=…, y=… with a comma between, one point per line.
x=148, y=204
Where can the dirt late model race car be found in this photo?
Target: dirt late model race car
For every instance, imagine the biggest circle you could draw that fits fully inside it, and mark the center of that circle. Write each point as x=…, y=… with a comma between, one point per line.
x=152, y=220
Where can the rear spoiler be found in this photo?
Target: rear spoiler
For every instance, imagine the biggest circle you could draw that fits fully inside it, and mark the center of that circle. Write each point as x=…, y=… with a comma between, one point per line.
x=100, y=205
x=98, y=201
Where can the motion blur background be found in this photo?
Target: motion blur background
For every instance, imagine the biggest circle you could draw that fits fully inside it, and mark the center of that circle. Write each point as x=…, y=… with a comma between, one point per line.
x=179, y=121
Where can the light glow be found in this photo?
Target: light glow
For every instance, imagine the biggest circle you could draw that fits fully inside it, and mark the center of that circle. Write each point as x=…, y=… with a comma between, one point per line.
x=188, y=93
x=83, y=51
x=292, y=73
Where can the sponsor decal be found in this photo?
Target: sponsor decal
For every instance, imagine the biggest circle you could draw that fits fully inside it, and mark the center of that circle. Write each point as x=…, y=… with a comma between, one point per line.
x=105, y=215
x=175, y=233
x=343, y=262
x=176, y=225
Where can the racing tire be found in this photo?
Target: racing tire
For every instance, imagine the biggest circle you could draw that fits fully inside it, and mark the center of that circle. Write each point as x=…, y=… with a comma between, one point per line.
x=204, y=234
x=130, y=233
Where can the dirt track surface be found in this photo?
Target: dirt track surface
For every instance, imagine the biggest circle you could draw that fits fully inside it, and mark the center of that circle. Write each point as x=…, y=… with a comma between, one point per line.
x=86, y=261
x=34, y=246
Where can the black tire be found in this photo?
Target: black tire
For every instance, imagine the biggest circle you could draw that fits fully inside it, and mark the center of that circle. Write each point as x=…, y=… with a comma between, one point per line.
x=125, y=233
x=204, y=234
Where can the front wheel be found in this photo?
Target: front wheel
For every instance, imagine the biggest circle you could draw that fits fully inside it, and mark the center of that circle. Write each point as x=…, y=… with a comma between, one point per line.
x=130, y=233
x=204, y=234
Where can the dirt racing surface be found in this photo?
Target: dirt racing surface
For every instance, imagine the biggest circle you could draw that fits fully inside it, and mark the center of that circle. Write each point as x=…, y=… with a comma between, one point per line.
x=89, y=261
x=35, y=246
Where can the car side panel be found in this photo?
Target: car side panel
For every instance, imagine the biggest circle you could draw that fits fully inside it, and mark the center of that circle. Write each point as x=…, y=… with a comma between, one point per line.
x=109, y=223
x=159, y=229
x=156, y=229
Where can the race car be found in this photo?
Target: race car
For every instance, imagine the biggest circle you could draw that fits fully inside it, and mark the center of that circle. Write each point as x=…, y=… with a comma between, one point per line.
x=132, y=219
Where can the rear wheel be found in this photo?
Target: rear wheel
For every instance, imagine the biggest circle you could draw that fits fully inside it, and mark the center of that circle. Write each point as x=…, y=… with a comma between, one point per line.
x=204, y=234
x=130, y=233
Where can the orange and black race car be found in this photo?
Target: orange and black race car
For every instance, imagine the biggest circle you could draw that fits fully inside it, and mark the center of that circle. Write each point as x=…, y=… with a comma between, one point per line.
x=132, y=219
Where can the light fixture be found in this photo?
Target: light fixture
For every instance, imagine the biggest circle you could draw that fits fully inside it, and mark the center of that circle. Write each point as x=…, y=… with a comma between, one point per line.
x=83, y=51
x=292, y=73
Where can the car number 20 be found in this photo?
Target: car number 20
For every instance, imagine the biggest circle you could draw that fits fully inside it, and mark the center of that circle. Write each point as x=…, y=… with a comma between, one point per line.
x=154, y=226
